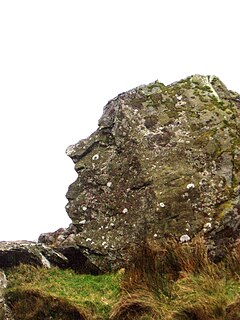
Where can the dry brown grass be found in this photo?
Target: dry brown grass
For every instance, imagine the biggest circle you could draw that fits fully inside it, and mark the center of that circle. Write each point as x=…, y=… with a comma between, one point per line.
x=177, y=282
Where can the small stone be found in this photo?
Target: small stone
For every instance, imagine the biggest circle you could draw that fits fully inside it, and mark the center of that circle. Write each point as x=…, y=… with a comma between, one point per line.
x=184, y=238
x=125, y=210
x=109, y=184
x=84, y=208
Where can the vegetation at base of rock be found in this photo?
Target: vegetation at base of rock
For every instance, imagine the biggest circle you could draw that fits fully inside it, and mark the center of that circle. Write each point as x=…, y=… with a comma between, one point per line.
x=178, y=282
x=81, y=296
x=172, y=281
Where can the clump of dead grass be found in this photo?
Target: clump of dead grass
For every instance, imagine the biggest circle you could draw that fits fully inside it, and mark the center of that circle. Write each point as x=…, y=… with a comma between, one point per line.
x=177, y=281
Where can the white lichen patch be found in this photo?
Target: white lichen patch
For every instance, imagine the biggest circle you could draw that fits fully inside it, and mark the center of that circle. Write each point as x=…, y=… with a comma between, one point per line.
x=190, y=186
x=184, y=238
x=95, y=157
x=207, y=225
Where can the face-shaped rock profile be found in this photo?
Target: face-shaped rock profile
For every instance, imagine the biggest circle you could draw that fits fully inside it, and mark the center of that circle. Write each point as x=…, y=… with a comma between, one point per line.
x=164, y=161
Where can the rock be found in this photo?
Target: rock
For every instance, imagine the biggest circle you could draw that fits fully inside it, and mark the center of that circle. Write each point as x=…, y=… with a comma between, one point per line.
x=164, y=161
x=77, y=260
x=3, y=285
x=5, y=311
x=12, y=253
x=224, y=236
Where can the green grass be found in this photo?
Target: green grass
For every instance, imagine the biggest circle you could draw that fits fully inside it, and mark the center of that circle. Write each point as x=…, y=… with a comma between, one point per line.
x=170, y=282
x=94, y=295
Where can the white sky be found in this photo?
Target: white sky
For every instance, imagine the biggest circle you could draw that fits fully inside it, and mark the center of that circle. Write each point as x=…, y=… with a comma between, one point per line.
x=61, y=61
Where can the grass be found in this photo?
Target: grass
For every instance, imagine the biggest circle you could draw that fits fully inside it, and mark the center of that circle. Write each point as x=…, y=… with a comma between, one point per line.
x=92, y=296
x=178, y=282
x=170, y=282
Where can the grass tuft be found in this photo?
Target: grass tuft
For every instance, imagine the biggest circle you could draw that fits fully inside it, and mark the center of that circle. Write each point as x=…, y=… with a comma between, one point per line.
x=177, y=282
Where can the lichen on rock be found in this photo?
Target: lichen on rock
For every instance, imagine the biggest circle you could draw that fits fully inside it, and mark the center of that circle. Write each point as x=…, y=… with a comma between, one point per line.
x=164, y=161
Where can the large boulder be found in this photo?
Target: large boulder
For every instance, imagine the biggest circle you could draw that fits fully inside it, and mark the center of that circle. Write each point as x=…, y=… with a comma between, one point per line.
x=164, y=161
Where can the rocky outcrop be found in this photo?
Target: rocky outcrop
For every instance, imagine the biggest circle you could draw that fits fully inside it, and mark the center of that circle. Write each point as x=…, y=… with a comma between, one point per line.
x=12, y=253
x=164, y=161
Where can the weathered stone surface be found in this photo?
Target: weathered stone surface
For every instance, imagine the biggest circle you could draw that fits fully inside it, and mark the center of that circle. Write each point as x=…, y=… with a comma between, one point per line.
x=5, y=311
x=225, y=236
x=12, y=253
x=164, y=161
x=3, y=285
x=77, y=260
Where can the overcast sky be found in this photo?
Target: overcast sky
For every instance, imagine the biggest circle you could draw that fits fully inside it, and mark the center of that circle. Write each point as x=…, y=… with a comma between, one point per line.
x=60, y=63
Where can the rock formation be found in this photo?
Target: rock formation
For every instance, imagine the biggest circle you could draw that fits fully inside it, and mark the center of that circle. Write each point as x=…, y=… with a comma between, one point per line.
x=164, y=161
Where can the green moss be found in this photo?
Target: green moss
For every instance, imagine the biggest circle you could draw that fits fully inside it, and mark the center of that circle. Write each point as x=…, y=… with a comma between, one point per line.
x=222, y=209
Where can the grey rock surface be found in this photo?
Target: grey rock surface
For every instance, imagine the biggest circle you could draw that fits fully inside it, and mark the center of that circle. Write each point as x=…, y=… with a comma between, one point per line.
x=164, y=161
x=12, y=253
x=5, y=311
